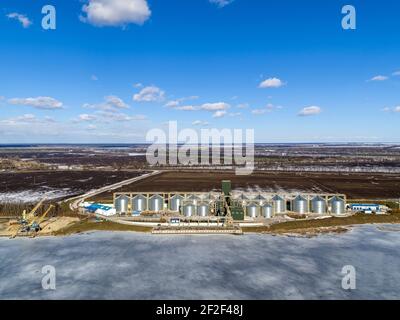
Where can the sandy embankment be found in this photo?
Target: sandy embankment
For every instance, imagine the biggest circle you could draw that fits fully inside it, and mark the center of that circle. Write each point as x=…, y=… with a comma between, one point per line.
x=49, y=226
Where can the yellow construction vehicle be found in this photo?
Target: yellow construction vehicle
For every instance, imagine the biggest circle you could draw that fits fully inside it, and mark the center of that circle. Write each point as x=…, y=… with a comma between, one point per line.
x=31, y=214
x=35, y=224
x=30, y=223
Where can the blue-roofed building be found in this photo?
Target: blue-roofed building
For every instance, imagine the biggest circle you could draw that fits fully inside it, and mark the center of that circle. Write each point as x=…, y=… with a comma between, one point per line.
x=366, y=207
x=100, y=209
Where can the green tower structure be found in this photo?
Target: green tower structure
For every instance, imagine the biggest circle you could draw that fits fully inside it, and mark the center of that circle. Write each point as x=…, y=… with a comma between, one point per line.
x=226, y=187
x=236, y=208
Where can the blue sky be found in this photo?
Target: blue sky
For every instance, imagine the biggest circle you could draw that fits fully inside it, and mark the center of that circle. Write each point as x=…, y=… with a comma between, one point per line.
x=114, y=69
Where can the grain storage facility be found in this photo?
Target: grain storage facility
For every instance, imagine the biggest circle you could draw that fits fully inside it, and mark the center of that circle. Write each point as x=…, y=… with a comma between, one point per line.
x=253, y=210
x=244, y=205
x=318, y=205
x=300, y=205
x=139, y=203
x=279, y=204
x=337, y=205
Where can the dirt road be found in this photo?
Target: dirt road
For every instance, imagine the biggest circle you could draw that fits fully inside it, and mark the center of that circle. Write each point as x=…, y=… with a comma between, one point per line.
x=76, y=201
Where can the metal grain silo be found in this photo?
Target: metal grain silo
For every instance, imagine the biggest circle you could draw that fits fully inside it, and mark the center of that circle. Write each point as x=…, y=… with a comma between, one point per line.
x=318, y=205
x=260, y=199
x=267, y=211
x=203, y=209
x=189, y=210
x=279, y=204
x=122, y=204
x=300, y=205
x=242, y=198
x=156, y=203
x=193, y=198
x=175, y=203
x=337, y=205
x=139, y=203
x=253, y=210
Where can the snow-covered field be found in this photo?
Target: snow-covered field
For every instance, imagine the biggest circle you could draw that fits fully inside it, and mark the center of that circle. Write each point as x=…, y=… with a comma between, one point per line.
x=276, y=189
x=122, y=265
x=28, y=196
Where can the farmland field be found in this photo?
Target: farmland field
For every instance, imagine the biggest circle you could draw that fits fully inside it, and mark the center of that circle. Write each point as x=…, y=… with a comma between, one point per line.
x=55, y=185
x=355, y=186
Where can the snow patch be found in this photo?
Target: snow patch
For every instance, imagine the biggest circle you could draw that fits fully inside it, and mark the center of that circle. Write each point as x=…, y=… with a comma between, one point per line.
x=27, y=196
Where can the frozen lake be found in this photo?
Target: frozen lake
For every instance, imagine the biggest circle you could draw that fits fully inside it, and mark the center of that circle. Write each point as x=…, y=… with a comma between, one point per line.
x=106, y=265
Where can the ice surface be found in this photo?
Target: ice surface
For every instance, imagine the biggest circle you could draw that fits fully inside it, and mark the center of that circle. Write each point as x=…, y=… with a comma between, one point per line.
x=122, y=265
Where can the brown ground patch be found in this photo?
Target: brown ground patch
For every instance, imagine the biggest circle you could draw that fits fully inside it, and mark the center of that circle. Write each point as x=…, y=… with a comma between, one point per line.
x=366, y=186
x=76, y=181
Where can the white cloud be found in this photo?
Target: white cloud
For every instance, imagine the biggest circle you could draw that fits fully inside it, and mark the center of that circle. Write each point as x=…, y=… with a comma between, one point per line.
x=38, y=102
x=111, y=103
x=200, y=123
x=267, y=109
x=259, y=111
x=49, y=119
x=379, y=78
x=172, y=103
x=23, y=19
x=219, y=114
x=271, y=83
x=91, y=127
x=107, y=116
x=395, y=109
x=310, y=111
x=27, y=119
x=150, y=94
x=116, y=102
x=177, y=102
x=235, y=114
x=396, y=73
x=115, y=12
x=108, y=111
x=218, y=108
x=87, y=117
x=242, y=105
x=221, y=3
x=189, y=98
x=215, y=106
x=186, y=108
x=121, y=117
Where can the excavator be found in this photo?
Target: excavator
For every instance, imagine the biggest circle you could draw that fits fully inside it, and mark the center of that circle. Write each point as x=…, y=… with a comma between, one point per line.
x=31, y=222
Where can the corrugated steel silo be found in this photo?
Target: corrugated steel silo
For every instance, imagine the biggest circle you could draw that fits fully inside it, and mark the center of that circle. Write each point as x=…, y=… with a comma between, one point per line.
x=156, y=203
x=122, y=204
x=337, y=205
x=242, y=198
x=279, y=204
x=189, y=210
x=253, y=210
x=260, y=199
x=267, y=211
x=203, y=209
x=193, y=198
x=318, y=205
x=300, y=205
x=175, y=202
x=139, y=203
